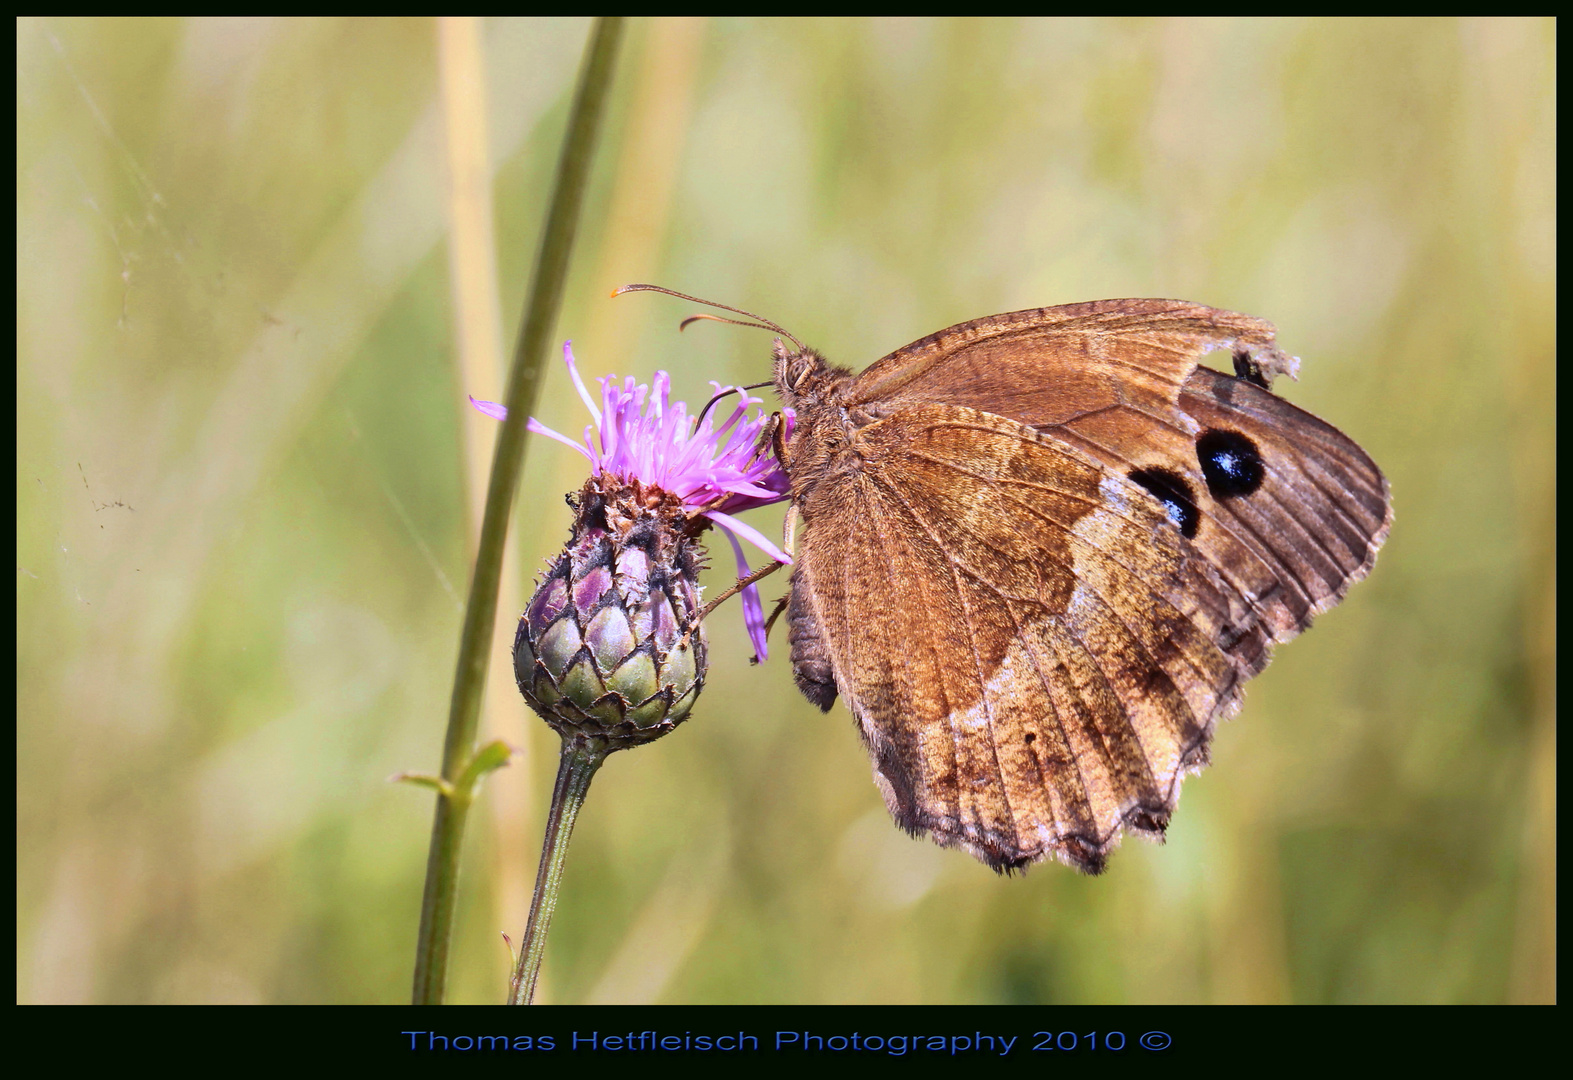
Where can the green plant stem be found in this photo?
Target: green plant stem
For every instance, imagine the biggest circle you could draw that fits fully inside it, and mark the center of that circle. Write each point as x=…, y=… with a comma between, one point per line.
x=581, y=758
x=524, y=378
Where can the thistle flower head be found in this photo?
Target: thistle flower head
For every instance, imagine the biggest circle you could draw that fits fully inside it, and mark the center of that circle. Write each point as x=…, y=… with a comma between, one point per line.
x=714, y=471
x=609, y=647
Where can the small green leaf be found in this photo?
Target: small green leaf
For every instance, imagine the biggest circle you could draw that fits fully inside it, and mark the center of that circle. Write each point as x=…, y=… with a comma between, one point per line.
x=494, y=755
x=424, y=780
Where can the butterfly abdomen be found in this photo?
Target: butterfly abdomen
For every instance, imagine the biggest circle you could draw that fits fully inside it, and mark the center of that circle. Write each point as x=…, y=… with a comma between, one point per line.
x=811, y=668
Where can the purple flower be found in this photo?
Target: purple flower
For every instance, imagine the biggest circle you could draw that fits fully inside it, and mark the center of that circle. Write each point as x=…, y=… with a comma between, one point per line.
x=715, y=471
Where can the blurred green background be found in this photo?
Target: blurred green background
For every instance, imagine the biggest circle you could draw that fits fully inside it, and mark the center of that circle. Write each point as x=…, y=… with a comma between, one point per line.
x=241, y=493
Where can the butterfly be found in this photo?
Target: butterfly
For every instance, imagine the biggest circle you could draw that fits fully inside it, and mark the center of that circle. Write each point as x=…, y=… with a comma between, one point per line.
x=1042, y=552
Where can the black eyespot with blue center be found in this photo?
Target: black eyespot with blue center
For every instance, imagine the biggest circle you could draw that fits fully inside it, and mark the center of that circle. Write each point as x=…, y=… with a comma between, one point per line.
x=1174, y=493
x=1230, y=463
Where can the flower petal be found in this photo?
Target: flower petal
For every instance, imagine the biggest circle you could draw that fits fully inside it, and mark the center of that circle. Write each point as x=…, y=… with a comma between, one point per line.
x=753, y=608
x=573, y=373
x=541, y=429
x=490, y=408
x=749, y=533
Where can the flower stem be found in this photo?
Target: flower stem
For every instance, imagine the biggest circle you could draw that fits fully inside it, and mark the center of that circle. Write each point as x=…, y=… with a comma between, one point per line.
x=581, y=758
x=524, y=379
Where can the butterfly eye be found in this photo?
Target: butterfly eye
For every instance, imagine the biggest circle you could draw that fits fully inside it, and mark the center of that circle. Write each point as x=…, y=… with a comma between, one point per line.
x=1174, y=493
x=1230, y=463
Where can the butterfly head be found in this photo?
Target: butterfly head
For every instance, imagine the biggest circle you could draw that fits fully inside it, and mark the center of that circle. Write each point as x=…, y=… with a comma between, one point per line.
x=802, y=376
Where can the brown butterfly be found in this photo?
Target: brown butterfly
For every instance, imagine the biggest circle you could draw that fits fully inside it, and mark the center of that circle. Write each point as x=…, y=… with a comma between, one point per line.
x=1043, y=552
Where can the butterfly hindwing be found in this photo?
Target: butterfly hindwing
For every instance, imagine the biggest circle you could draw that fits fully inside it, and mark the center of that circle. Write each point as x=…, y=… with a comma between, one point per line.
x=1039, y=671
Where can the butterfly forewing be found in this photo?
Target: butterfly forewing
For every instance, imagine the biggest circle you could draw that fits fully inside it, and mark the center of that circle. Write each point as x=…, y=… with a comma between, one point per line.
x=1120, y=379
x=1050, y=365
x=1322, y=509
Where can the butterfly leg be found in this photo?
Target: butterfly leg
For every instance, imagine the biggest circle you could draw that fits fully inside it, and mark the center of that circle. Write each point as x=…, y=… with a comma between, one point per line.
x=789, y=531
x=775, y=613
x=741, y=584
x=778, y=441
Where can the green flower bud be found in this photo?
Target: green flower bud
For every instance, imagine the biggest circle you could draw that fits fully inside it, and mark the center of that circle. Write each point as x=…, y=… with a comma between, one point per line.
x=607, y=648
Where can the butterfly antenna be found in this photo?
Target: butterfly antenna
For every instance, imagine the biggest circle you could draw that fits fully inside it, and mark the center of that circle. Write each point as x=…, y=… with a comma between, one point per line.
x=722, y=318
x=759, y=322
